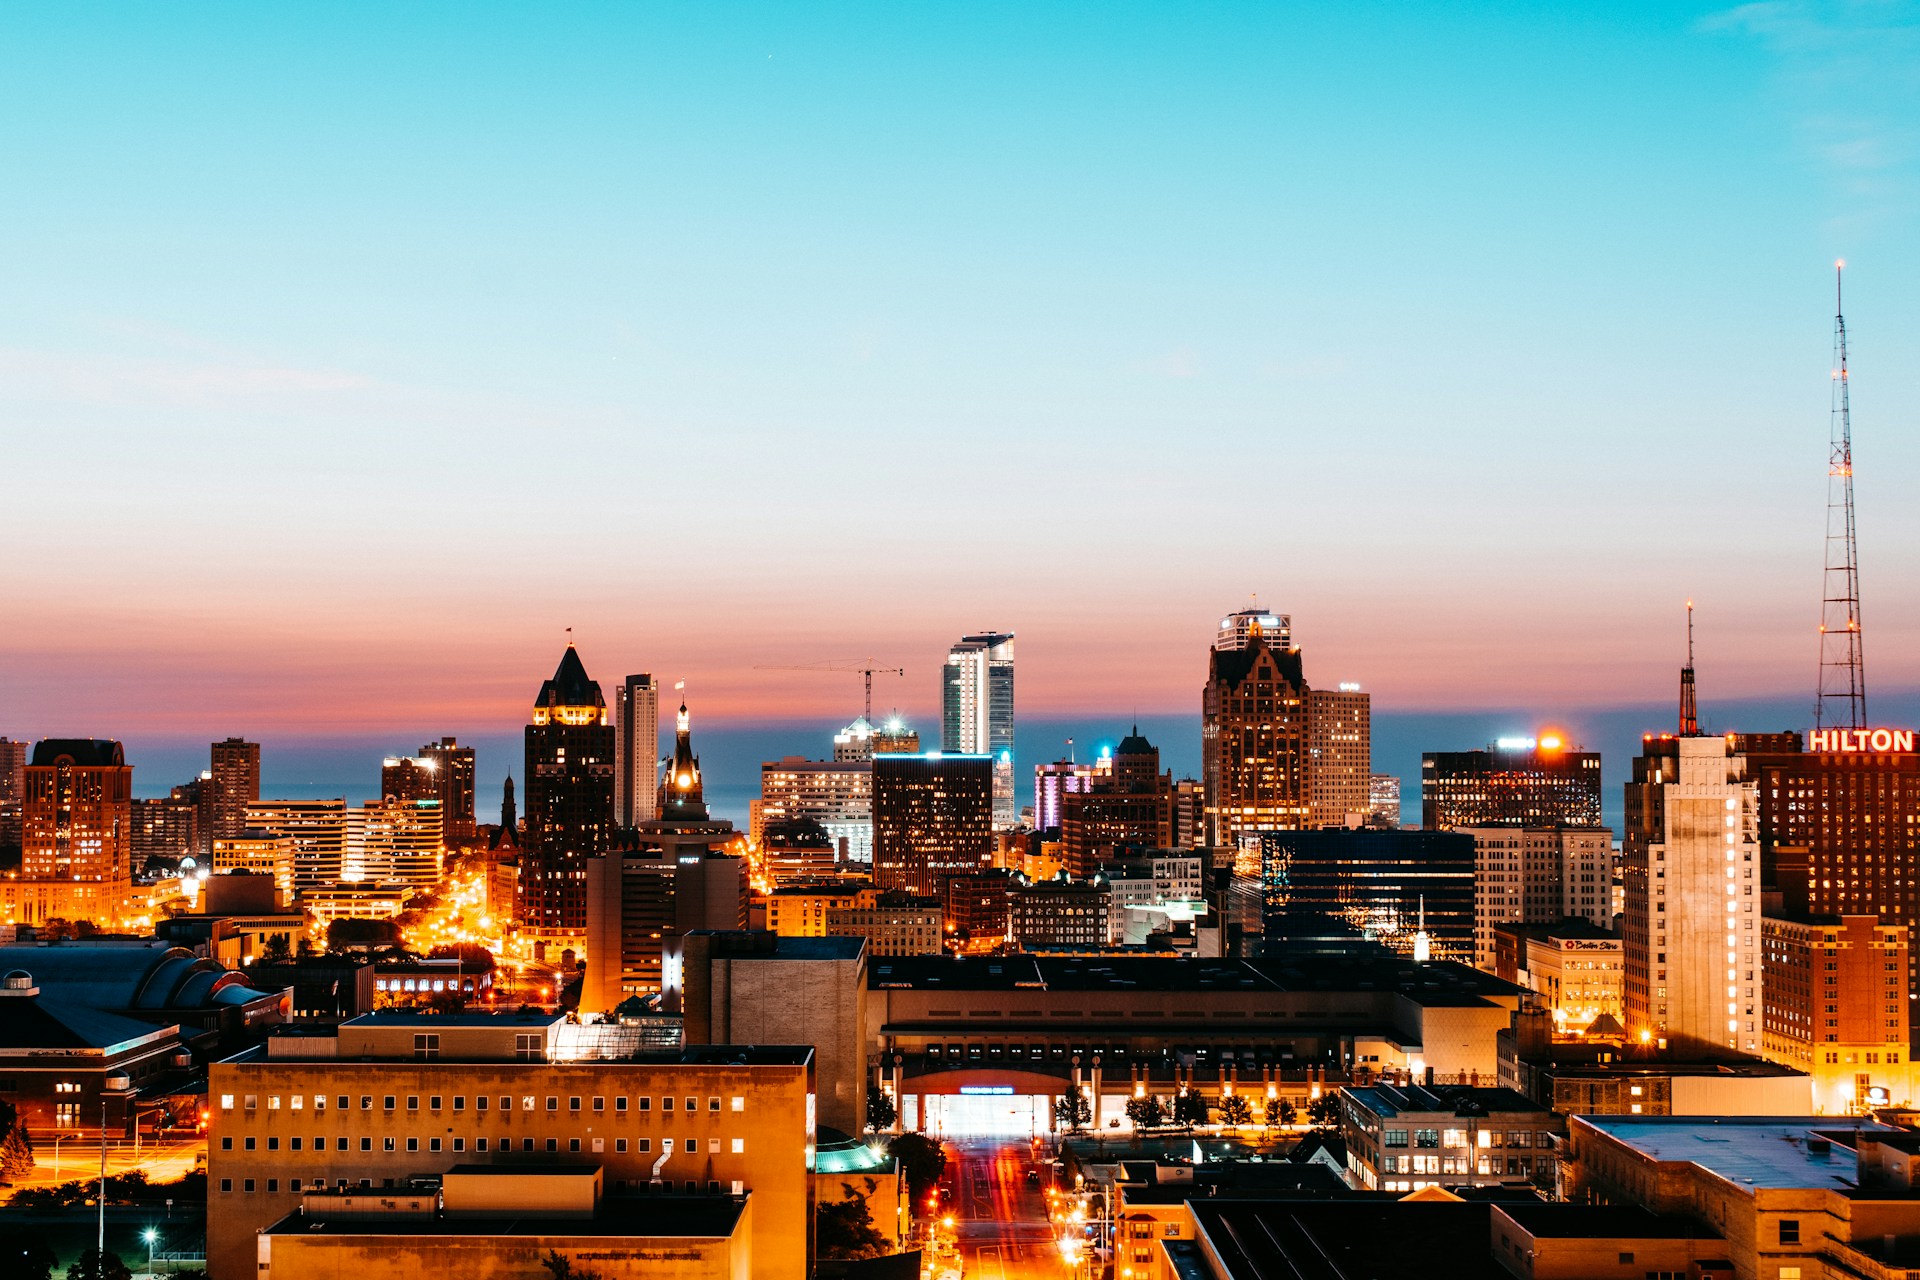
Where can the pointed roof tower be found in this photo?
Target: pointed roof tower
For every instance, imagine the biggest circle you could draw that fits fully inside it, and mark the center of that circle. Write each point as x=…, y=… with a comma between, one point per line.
x=681, y=799
x=571, y=697
x=1689, y=708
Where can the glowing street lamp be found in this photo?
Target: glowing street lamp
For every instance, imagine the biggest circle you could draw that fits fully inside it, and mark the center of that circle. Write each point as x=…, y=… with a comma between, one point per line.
x=150, y=1236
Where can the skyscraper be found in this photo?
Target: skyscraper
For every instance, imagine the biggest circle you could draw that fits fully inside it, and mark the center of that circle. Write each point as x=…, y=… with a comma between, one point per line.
x=976, y=711
x=1339, y=756
x=569, y=798
x=76, y=831
x=13, y=771
x=1691, y=863
x=1387, y=885
x=837, y=794
x=1538, y=875
x=409, y=778
x=317, y=830
x=636, y=719
x=454, y=764
x=1517, y=782
x=236, y=784
x=1254, y=737
x=932, y=820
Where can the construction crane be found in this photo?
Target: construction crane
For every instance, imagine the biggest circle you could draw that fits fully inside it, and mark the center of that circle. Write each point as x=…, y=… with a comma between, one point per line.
x=856, y=666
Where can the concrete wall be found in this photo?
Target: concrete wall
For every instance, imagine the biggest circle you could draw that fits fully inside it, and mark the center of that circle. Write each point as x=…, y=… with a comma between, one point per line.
x=357, y=1257
x=1742, y=1095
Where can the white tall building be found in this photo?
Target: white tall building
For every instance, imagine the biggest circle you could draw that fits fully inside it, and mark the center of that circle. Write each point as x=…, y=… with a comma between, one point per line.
x=636, y=750
x=1691, y=865
x=976, y=711
x=317, y=830
x=837, y=794
x=394, y=842
x=1538, y=875
x=1236, y=629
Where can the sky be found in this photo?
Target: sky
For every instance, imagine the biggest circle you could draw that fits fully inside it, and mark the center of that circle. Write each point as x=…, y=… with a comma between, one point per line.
x=353, y=353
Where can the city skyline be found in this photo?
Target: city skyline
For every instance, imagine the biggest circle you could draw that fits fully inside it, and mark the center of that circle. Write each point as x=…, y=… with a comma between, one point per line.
x=1504, y=360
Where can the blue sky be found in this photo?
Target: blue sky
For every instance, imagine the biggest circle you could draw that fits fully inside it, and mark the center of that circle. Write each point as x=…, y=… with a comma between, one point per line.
x=355, y=351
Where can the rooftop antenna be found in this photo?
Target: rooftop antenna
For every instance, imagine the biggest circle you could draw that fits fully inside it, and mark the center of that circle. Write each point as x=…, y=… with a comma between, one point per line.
x=1841, y=701
x=1689, y=709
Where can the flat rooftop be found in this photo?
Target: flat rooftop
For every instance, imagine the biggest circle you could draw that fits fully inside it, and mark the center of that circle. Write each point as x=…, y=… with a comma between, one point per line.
x=1752, y=1151
x=700, y=1055
x=655, y=1217
x=1459, y=1100
x=458, y=1018
x=732, y=945
x=1442, y=983
x=1343, y=1239
x=1603, y=1221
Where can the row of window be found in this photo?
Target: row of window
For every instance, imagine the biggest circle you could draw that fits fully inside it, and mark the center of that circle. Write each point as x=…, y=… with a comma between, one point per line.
x=528, y=1102
x=688, y=1146
x=1459, y=1138
x=249, y=1185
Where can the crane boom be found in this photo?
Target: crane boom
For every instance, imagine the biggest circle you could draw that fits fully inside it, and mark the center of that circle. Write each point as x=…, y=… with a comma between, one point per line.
x=855, y=666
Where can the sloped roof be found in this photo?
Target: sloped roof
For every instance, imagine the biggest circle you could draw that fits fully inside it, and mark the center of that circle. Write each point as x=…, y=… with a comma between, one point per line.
x=1233, y=666
x=570, y=686
x=94, y=752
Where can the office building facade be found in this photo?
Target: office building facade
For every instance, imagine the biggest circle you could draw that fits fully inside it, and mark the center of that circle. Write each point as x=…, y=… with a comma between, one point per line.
x=1837, y=1008
x=837, y=794
x=1339, y=756
x=317, y=832
x=1538, y=875
x=976, y=711
x=636, y=719
x=235, y=784
x=1691, y=866
x=1517, y=782
x=1254, y=740
x=453, y=764
x=568, y=798
x=1388, y=886
x=76, y=832
x=932, y=819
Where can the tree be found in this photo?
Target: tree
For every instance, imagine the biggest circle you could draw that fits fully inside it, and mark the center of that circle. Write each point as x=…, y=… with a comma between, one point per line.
x=471, y=955
x=1235, y=1111
x=1324, y=1111
x=844, y=1228
x=1189, y=1108
x=1072, y=1111
x=881, y=1113
x=1288, y=1112
x=16, y=1148
x=563, y=1269
x=95, y=1265
x=25, y=1253
x=276, y=949
x=1146, y=1112
x=342, y=934
x=922, y=1161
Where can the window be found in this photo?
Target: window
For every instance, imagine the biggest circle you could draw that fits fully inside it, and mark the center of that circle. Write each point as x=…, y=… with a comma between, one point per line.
x=1393, y=1138
x=599, y=1104
x=693, y=1104
x=528, y=1103
x=387, y=1103
x=713, y=1104
x=433, y=1144
x=739, y=1145
x=528, y=1047
x=739, y=1104
x=226, y=1184
x=643, y=1144
x=293, y=1144
x=619, y=1145
x=226, y=1144
x=1789, y=1231
x=666, y=1104
x=460, y=1103
x=553, y=1103
x=413, y=1102
x=553, y=1144
x=573, y=1104
x=433, y=1103
x=387, y=1143
x=273, y=1184
x=247, y=1186
x=1626, y=1258
x=644, y=1104
x=619, y=1105
x=1426, y=1137
x=459, y=1144
x=573, y=1144
x=250, y=1144
x=366, y=1144
x=427, y=1045
x=1788, y=1273
x=273, y=1103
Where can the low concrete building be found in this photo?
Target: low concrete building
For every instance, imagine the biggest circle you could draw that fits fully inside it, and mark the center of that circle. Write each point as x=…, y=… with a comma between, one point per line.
x=1408, y=1139
x=1796, y=1197
x=492, y=1221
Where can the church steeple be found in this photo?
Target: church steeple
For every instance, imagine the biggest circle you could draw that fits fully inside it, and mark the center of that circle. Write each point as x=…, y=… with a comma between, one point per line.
x=681, y=799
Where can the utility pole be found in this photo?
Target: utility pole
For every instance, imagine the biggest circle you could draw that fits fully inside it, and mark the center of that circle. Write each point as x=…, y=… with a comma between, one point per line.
x=101, y=1245
x=1841, y=702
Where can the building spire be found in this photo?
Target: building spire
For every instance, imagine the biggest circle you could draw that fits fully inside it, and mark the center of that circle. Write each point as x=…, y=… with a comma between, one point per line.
x=1689, y=708
x=1841, y=701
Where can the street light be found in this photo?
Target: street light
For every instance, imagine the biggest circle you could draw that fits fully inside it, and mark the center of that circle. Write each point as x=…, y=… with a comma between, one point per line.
x=150, y=1235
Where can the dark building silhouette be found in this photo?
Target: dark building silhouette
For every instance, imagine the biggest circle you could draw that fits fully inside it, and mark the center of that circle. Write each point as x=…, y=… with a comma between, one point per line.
x=1254, y=740
x=234, y=784
x=1384, y=884
x=454, y=766
x=569, y=798
x=1540, y=784
x=932, y=820
x=1131, y=807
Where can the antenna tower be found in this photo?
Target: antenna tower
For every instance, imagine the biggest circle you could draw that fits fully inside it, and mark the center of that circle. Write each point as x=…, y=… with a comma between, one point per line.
x=1842, y=699
x=1689, y=709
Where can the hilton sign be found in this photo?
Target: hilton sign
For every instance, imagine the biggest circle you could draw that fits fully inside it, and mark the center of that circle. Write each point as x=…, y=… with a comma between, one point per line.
x=1849, y=741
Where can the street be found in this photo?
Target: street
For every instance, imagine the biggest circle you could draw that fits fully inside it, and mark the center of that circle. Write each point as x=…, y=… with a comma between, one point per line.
x=163, y=1159
x=1000, y=1219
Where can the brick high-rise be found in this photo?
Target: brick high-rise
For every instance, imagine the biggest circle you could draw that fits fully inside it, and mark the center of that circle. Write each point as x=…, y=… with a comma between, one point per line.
x=568, y=798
